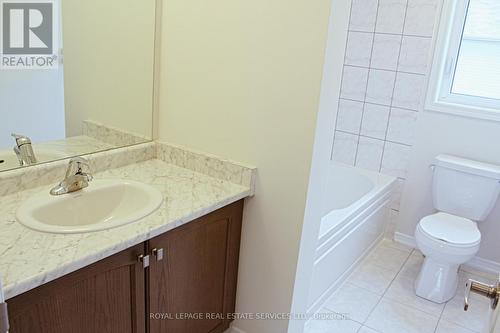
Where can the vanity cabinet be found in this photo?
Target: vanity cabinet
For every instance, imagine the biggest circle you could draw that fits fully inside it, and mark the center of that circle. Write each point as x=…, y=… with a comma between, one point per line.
x=107, y=296
x=183, y=281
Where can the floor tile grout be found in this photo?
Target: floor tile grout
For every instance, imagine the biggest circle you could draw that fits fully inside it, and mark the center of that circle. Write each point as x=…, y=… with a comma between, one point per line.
x=382, y=296
x=397, y=305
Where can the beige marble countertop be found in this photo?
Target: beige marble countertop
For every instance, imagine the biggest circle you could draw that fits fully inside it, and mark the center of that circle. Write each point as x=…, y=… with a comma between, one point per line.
x=29, y=258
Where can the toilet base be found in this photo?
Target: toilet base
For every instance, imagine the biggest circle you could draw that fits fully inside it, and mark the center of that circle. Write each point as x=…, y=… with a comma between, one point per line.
x=437, y=281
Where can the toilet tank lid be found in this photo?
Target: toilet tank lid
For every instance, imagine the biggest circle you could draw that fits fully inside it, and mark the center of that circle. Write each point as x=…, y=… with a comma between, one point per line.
x=468, y=166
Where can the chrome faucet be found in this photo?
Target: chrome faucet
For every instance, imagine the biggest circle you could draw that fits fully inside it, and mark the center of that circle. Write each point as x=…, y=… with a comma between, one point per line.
x=76, y=178
x=24, y=150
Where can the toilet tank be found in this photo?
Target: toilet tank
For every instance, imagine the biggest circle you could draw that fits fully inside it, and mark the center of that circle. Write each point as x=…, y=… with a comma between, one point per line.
x=464, y=187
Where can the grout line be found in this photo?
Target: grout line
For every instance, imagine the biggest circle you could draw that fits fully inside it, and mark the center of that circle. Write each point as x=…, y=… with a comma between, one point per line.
x=393, y=89
x=386, y=70
x=391, y=33
x=341, y=82
x=439, y=318
x=378, y=104
x=366, y=88
x=379, y=139
x=390, y=284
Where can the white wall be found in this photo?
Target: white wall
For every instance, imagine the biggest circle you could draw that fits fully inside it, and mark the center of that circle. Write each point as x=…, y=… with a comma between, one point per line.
x=241, y=79
x=320, y=166
x=32, y=104
x=442, y=133
x=438, y=133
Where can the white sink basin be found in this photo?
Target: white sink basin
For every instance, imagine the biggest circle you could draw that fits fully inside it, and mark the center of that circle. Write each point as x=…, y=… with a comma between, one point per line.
x=103, y=205
x=9, y=160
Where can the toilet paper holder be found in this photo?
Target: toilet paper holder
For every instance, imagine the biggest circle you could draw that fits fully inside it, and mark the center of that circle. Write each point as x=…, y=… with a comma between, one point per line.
x=490, y=291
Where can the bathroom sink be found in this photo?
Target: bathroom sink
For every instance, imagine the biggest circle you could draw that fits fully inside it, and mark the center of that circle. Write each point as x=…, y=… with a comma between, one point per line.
x=9, y=160
x=104, y=204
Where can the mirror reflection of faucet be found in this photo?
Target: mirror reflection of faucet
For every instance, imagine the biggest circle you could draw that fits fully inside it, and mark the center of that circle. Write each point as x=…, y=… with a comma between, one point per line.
x=24, y=150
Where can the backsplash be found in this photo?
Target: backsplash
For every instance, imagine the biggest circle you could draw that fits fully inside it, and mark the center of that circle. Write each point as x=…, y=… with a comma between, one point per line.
x=111, y=135
x=383, y=83
x=50, y=173
x=210, y=165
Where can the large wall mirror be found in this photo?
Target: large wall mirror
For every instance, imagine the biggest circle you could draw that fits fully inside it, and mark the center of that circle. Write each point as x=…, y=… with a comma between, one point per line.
x=99, y=96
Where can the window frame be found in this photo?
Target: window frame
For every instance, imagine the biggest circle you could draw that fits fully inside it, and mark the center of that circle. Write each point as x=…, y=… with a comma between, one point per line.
x=446, y=50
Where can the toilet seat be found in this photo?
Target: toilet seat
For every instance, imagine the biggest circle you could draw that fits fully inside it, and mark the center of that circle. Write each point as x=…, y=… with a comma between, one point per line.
x=451, y=230
x=447, y=241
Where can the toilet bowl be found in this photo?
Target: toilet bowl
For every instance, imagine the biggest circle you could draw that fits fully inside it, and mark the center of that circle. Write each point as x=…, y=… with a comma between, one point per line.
x=447, y=241
x=464, y=192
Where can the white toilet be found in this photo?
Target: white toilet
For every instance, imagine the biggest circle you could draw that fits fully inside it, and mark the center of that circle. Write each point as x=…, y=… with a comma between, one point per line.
x=464, y=192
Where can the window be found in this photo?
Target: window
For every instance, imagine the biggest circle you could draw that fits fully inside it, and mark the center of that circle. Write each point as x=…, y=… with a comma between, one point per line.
x=465, y=76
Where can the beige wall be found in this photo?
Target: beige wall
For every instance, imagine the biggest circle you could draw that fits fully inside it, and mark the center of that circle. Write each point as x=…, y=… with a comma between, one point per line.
x=108, y=63
x=241, y=79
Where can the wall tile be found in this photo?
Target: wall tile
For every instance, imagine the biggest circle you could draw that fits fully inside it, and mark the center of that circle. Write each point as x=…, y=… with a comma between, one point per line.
x=349, y=116
x=375, y=118
x=354, y=83
x=385, y=51
x=387, y=58
x=344, y=147
x=402, y=126
x=380, y=86
x=420, y=17
x=390, y=18
x=395, y=159
x=408, y=91
x=369, y=154
x=414, y=56
x=359, y=47
x=363, y=15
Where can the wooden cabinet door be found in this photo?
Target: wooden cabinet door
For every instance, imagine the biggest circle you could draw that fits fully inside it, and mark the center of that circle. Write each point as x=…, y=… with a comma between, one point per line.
x=106, y=297
x=197, y=275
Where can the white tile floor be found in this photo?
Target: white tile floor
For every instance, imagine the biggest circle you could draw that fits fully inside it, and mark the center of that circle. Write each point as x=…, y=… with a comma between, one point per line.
x=379, y=297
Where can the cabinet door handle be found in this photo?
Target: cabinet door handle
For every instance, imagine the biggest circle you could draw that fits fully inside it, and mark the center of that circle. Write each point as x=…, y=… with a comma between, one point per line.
x=144, y=260
x=158, y=253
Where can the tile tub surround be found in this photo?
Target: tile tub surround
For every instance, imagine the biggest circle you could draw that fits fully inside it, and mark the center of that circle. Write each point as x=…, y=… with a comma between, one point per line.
x=385, y=66
x=379, y=297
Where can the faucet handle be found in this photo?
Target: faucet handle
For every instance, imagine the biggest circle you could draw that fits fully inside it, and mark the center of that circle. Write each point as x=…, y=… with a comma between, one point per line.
x=77, y=166
x=21, y=139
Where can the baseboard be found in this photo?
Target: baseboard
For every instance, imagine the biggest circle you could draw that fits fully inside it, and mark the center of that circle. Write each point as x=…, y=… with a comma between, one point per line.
x=233, y=329
x=484, y=265
x=476, y=263
x=405, y=239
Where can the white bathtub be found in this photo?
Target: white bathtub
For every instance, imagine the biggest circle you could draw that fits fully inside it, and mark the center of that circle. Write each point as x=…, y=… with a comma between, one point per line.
x=356, y=206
